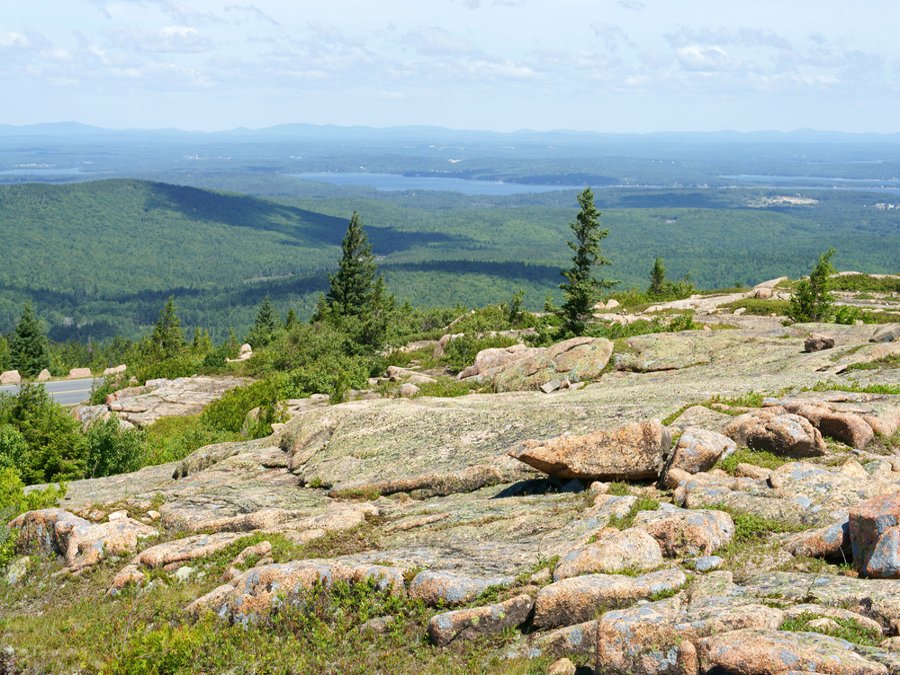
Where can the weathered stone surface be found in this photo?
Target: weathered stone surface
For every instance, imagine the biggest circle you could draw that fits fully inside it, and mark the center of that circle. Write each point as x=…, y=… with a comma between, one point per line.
x=889, y=333
x=44, y=376
x=818, y=342
x=576, y=600
x=702, y=417
x=698, y=450
x=446, y=588
x=753, y=651
x=831, y=542
x=846, y=427
x=115, y=370
x=80, y=542
x=10, y=377
x=686, y=532
x=630, y=452
x=466, y=624
x=875, y=536
x=520, y=368
x=256, y=591
x=568, y=640
x=408, y=390
x=632, y=549
x=776, y=431
x=563, y=666
x=79, y=373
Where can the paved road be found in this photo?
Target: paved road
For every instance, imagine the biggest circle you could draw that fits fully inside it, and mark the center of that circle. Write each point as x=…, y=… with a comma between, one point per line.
x=66, y=392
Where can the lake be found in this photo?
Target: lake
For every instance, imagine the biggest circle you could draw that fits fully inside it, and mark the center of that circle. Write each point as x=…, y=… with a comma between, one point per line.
x=392, y=182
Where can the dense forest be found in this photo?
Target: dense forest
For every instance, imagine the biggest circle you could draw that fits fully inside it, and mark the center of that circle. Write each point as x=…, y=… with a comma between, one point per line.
x=100, y=258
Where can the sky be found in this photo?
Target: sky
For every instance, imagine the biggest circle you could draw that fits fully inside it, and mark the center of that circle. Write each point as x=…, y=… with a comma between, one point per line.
x=601, y=65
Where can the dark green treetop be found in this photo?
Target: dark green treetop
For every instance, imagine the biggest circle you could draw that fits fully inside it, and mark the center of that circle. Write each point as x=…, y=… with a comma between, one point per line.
x=657, y=278
x=28, y=349
x=812, y=301
x=353, y=286
x=167, y=339
x=582, y=289
x=266, y=325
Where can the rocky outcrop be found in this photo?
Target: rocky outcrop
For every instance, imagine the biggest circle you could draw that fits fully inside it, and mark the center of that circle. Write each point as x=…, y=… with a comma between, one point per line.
x=81, y=543
x=818, y=342
x=8, y=377
x=632, y=550
x=777, y=431
x=686, y=532
x=890, y=333
x=698, y=450
x=520, y=368
x=630, y=452
x=466, y=624
x=436, y=588
x=875, y=536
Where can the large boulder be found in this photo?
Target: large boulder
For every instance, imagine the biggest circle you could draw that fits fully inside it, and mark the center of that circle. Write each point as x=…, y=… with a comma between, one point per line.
x=446, y=588
x=888, y=333
x=875, y=537
x=831, y=542
x=818, y=342
x=44, y=376
x=698, y=450
x=847, y=427
x=466, y=624
x=521, y=368
x=777, y=431
x=80, y=542
x=79, y=373
x=686, y=532
x=578, y=599
x=754, y=651
x=10, y=377
x=630, y=452
x=631, y=550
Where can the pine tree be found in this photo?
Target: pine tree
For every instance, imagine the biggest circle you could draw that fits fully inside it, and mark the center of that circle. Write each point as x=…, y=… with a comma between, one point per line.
x=28, y=348
x=811, y=300
x=657, y=279
x=167, y=339
x=582, y=289
x=266, y=325
x=202, y=344
x=4, y=354
x=291, y=320
x=353, y=286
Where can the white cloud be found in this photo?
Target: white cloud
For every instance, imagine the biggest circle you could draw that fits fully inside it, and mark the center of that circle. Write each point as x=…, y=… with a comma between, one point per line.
x=13, y=40
x=700, y=58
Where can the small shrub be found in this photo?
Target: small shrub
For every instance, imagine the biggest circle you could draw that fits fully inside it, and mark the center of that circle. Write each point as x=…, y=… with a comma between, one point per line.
x=113, y=450
x=847, y=629
x=461, y=353
x=171, y=439
x=230, y=411
x=761, y=458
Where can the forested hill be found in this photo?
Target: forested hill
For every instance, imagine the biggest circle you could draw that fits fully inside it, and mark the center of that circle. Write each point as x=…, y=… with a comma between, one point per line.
x=110, y=252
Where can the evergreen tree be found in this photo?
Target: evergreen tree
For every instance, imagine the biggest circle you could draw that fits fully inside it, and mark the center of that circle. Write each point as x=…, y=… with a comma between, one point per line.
x=582, y=289
x=28, y=348
x=353, y=286
x=266, y=325
x=4, y=354
x=812, y=300
x=202, y=344
x=167, y=339
x=657, y=279
x=291, y=320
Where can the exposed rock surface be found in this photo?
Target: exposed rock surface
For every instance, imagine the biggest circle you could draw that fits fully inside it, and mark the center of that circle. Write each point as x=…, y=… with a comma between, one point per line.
x=816, y=342
x=446, y=588
x=630, y=452
x=465, y=624
x=632, y=550
x=875, y=536
x=10, y=377
x=775, y=430
x=698, y=450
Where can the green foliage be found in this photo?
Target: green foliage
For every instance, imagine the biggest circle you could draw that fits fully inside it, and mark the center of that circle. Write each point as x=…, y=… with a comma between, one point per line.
x=761, y=458
x=864, y=283
x=889, y=361
x=582, y=289
x=28, y=348
x=167, y=340
x=112, y=450
x=183, y=364
x=56, y=447
x=13, y=446
x=854, y=387
x=171, y=439
x=352, y=287
x=461, y=352
x=266, y=325
x=847, y=315
x=229, y=412
x=447, y=387
x=100, y=389
x=657, y=278
x=15, y=501
x=847, y=629
x=4, y=354
x=619, y=489
x=811, y=300
x=760, y=307
x=626, y=521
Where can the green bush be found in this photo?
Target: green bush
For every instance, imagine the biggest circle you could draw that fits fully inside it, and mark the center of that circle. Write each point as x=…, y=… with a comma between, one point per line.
x=230, y=411
x=171, y=439
x=13, y=446
x=334, y=374
x=113, y=450
x=181, y=365
x=14, y=501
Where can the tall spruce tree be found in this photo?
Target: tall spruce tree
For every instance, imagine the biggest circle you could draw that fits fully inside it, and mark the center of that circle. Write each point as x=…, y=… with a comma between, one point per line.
x=167, y=339
x=812, y=300
x=265, y=326
x=657, y=279
x=28, y=348
x=582, y=289
x=353, y=286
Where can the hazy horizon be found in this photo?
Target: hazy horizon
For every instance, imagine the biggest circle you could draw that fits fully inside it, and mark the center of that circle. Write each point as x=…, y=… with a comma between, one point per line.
x=613, y=66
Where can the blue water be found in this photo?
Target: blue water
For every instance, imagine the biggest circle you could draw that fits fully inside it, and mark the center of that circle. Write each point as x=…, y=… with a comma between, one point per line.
x=391, y=182
x=41, y=171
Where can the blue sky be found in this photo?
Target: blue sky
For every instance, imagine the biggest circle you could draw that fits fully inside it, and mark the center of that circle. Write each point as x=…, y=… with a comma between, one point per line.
x=605, y=65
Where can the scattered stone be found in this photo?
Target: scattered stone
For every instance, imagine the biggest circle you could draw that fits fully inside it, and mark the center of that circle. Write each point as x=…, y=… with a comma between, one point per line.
x=153, y=515
x=466, y=624
x=875, y=537
x=818, y=342
x=706, y=563
x=702, y=417
x=630, y=452
x=17, y=570
x=44, y=376
x=846, y=427
x=435, y=588
x=562, y=667
x=10, y=377
x=79, y=373
x=408, y=390
x=686, y=532
x=698, y=450
x=576, y=600
x=831, y=542
x=776, y=431
x=115, y=370
x=632, y=549
x=551, y=386
x=576, y=639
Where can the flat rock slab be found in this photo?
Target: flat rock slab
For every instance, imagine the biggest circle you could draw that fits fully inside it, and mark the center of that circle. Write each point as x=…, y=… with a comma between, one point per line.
x=632, y=550
x=467, y=624
x=777, y=431
x=575, y=600
x=687, y=532
x=630, y=452
x=436, y=588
